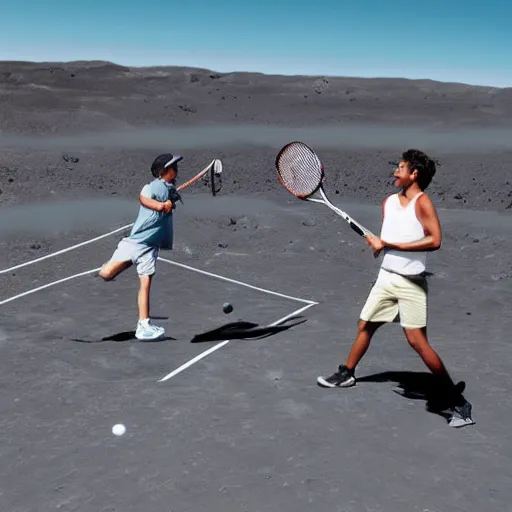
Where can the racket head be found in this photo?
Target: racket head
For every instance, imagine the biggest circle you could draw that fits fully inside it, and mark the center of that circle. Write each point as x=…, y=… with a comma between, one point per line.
x=299, y=169
x=217, y=166
x=216, y=176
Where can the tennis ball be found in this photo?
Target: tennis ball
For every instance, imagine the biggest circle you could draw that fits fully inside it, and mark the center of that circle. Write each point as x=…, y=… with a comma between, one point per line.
x=118, y=429
x=227, y=308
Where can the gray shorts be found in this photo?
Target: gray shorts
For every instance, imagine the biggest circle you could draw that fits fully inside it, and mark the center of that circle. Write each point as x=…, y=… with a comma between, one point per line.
x=141, y=255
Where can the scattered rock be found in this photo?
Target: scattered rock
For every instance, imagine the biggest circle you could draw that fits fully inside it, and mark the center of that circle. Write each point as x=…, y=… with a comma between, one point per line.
x=187, y=108
x=222, y=246
x=232, y=221
x=321, y=86
x=69, y=158
x=501, y=276
x=35, y=246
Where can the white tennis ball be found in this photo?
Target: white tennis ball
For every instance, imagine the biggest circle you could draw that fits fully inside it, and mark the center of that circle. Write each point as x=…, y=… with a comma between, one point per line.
x=118, y=429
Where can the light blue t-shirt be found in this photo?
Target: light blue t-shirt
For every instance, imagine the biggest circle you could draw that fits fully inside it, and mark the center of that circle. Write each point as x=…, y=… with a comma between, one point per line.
x=154, y=228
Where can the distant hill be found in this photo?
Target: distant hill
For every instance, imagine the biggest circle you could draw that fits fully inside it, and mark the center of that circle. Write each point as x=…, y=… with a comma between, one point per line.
x=55, y=97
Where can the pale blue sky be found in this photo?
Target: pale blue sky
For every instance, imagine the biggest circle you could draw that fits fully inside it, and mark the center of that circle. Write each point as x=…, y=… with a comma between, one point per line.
x=447, y=40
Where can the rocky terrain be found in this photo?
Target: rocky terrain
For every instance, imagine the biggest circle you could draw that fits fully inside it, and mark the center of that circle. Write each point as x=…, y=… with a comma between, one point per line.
x=93, y=128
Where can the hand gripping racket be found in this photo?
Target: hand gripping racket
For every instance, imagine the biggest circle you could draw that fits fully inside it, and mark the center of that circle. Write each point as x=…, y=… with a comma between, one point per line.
x=301, y=172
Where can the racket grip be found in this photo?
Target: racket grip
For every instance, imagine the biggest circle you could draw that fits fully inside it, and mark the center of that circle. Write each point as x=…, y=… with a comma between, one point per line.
x=356, y=228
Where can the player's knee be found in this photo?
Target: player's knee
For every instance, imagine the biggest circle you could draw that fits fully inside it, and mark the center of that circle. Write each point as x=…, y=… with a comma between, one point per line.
x=416, y=339
x=366, y=326
x=362, y=326
x=415, y=344
x=106, y=273
x=145, y=280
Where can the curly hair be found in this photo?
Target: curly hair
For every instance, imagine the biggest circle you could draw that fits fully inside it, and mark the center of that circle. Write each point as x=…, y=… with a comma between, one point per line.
x=418, y=161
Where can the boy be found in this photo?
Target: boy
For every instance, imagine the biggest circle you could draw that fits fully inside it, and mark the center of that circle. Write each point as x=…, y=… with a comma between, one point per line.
x=152, y=231
x=410, y=229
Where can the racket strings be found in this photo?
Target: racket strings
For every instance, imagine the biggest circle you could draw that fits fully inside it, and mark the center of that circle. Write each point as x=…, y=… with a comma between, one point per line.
x=300, y=169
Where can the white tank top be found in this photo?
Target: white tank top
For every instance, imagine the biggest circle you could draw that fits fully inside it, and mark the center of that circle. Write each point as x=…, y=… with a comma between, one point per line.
x=400, y=225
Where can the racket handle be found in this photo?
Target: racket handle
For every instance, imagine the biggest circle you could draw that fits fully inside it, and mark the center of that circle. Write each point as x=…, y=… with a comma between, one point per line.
x=356, y=228
x=351, y=222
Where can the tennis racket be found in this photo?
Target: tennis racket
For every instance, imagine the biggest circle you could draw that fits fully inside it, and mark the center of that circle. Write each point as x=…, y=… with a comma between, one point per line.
x=301, y=172
x=213, y=172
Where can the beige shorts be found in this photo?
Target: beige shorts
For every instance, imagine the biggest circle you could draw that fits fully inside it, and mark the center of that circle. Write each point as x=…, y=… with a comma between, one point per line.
x=395, y=298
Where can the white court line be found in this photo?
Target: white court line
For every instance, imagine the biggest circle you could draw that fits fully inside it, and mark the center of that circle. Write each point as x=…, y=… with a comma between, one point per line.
x=62, y=251
x=48, y=285
x=241, y=283
x=225, y=342
x=308, y=303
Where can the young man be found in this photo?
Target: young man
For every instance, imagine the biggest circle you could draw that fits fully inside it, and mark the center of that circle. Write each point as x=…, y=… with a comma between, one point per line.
x=152, y=231
x=410, y=229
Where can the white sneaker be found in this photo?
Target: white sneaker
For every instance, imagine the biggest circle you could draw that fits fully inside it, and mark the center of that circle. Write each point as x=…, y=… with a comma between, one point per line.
x=462, y=415
x=147, y=331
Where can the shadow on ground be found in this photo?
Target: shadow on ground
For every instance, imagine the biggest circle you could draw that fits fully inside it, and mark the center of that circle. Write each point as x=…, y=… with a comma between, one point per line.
x=232, y=331
x=124, y=336
x=246, y=330
x=420, y=386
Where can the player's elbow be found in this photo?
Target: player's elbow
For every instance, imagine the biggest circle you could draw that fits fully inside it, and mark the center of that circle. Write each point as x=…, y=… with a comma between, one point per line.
x=437, y=242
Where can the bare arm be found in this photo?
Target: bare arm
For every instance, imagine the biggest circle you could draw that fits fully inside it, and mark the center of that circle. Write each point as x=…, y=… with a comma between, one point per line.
x=427, y=215
x=153, y=204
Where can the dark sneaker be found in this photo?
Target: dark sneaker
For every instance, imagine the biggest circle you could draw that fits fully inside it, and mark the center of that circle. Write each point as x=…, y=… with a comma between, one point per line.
x=343, y=378
x=461, y=415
